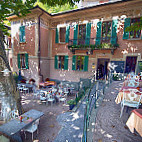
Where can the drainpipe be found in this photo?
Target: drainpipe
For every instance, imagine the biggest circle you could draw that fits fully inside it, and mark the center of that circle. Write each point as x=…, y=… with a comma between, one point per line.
x=39, y=70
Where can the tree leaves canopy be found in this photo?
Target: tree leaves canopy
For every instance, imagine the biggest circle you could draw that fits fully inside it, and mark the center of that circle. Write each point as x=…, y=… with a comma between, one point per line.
x=59, y=2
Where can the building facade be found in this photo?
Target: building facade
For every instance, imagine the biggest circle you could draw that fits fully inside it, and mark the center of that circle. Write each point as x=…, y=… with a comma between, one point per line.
x=73, y=44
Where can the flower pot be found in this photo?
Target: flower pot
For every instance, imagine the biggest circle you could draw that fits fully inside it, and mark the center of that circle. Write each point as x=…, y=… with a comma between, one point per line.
x=71, y=106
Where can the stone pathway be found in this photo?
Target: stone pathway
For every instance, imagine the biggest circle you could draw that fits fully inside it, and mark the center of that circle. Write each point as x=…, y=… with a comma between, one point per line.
x=109, y=127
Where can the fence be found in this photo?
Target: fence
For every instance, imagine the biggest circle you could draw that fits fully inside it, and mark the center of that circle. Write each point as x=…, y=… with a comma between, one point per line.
x=93, y=99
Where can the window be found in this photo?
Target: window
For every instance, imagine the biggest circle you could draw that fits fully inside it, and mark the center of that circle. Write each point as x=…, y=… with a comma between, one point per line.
x=22, y=34
x=135, y=34
x=62, y=34
x=80, y=63
x=82, y=34
x=106, y=31
x=61, y=62
x=22, y=61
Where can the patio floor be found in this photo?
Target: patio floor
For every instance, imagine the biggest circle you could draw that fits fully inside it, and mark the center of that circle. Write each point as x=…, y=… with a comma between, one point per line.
x=48, y=127
x=58, y=125
x=109, y=127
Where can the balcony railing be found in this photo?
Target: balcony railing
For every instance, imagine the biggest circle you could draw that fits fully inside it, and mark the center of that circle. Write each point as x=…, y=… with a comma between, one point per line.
x=90, y=44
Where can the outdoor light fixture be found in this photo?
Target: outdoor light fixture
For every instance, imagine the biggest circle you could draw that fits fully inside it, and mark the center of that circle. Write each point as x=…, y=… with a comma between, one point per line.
x=6, y=72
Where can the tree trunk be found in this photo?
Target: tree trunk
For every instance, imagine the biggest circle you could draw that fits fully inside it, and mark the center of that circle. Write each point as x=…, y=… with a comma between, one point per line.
x=8, y=83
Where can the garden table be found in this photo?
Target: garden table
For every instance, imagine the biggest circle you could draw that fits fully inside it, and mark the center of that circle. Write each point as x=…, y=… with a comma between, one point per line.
x=135, y=121
x=13, y=127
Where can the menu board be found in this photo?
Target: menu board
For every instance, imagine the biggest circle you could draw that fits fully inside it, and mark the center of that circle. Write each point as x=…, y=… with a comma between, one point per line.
x=117, y=66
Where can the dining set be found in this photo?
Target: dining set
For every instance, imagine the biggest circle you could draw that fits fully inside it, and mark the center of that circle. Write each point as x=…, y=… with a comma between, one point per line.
x=27, y=122
x=54, y=94
x=130, y=95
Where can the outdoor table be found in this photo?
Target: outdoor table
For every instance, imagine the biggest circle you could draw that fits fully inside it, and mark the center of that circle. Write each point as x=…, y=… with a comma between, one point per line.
x=30, y=86
x=14, y=126
x=120, y=94
x=135, y=121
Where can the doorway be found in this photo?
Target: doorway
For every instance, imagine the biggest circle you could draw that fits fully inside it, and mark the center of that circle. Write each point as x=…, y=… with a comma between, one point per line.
x=131, y=62
x=102, y=68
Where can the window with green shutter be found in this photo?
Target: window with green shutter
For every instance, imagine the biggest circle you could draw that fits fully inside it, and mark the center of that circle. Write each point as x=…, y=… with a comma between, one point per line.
x=86, y=63
x=56, y=62
x=61, y=62
x=80, y=63
x=98, y=34
x=67, y=34
x=66, y=62
x=75, y=35
x=114, y=32
x=57, y=36
x=126, y=24
x=22, y=34
x=22, y=60
x=88, y=32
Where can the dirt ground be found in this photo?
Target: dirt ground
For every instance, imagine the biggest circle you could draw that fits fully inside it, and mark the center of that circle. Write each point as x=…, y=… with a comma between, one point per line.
x=48, y=126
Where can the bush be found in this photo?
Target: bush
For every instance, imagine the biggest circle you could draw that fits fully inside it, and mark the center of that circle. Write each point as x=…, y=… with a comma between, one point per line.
x=71, y=102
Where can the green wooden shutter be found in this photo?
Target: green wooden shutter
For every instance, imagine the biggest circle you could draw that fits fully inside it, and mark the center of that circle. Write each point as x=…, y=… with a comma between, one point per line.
x=22, y=34
x=98, y=34
x=66, y=63
x=114, y=32
x=86, y=63
x=56, y=62
x=26, y=61
x=126, y=24
x=57, y=36
x=75, y=35
x=67, y=34
x=88, y=32
x=18, y=61
x=74, y=62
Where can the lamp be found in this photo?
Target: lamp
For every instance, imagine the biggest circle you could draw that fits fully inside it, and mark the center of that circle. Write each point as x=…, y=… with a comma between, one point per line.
x=6, y=72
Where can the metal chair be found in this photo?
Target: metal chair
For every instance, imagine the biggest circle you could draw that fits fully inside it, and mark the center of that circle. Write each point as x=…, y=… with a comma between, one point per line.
x=32, y=128
x=131, y=98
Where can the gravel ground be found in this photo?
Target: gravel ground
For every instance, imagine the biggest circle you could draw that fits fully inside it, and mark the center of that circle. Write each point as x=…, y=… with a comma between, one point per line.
x=48, y=127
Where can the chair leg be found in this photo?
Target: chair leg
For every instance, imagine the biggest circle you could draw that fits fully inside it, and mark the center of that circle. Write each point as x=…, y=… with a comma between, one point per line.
x=121, y=111
x=32, y=136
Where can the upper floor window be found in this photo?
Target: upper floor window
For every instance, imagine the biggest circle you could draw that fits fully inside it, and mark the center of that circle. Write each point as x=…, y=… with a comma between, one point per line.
x=22, y=61
x=135, y=34
x=106, y=31
x=82, y=34
x=61, y=62
x=22, y=34
x=62, y=34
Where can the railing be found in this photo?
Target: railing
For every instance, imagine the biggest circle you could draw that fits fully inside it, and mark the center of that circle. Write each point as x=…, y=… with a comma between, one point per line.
x=105, y=42
x=96, y=92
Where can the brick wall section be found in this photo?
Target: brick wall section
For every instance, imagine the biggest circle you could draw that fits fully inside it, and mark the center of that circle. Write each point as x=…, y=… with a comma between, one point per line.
x=29, y=45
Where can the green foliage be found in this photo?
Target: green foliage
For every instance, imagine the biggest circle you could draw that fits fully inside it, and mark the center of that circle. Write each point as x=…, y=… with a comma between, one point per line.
x=71, y=102
x=101, y=46
x=58, y=2
x=135, y=27
x=56, y=8
x=115, y=77
x=17, y=7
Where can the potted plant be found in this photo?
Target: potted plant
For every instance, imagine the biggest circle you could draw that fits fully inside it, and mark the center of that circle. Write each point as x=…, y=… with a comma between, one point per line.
x=71, y=104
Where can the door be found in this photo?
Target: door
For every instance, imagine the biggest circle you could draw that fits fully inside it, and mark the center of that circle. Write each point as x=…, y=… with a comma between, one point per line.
x=102, y=71
x=130, y=64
